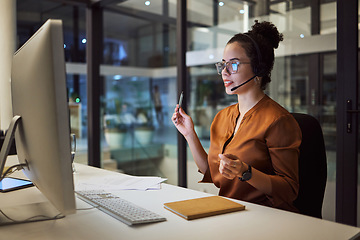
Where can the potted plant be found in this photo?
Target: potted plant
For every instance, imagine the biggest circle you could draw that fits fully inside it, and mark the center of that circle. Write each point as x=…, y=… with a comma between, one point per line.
x=144, y=129
x=114, y=129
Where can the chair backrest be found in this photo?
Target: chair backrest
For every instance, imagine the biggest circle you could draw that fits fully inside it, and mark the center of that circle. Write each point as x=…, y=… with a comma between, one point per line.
x=312, y=166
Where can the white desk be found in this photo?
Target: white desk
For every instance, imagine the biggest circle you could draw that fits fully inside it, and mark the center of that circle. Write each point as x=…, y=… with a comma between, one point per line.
x=256, y=222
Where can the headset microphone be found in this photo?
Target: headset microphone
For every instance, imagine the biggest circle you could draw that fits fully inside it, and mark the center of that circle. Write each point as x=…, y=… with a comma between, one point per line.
x=234, y=88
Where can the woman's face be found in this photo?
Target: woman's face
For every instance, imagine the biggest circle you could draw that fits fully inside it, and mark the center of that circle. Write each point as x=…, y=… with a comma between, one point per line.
x=234, y=51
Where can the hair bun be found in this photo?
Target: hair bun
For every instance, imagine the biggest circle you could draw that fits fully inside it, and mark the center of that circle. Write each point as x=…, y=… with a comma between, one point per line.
x=268, y=31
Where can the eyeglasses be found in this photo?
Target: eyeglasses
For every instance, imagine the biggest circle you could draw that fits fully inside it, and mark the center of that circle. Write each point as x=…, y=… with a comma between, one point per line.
x=231, y=66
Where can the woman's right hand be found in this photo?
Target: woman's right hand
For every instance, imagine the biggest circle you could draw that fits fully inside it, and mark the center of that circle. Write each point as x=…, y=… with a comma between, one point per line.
x=182, y=121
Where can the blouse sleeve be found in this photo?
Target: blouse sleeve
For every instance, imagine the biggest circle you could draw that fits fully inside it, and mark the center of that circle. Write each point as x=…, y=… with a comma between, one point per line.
x=207, y=177
x=283, y=139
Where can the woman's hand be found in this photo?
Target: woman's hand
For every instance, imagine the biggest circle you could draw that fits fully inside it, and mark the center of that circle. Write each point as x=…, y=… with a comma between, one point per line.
x=185, y=126
x=182, y=122
x=230, y=166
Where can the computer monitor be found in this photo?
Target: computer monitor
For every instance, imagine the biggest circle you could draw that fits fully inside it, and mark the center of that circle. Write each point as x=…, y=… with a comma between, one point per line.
x=40, y=107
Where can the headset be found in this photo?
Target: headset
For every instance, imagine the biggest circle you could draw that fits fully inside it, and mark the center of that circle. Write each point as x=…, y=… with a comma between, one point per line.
x=260, y=70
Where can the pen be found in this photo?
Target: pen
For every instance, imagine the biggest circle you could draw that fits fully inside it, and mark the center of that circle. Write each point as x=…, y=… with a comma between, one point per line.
x=180, y=99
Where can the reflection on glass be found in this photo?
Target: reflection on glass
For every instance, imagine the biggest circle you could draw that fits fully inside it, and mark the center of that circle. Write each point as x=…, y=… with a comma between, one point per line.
x=136, y=122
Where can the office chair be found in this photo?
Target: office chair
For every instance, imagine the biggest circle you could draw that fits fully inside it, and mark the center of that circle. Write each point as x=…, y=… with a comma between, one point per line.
x=312, y=166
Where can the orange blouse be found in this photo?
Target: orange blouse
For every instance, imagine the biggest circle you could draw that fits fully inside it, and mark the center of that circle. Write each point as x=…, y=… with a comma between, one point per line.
x=268, y=139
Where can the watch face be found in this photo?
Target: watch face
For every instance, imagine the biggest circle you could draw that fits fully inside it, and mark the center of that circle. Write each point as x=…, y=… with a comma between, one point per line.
x=246, y=176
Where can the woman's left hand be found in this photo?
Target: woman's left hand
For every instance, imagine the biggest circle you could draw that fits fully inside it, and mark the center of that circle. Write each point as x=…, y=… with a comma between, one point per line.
x=230, y=166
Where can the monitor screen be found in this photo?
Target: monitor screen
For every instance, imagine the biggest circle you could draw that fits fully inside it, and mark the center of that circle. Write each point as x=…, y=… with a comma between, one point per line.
x=39, y=97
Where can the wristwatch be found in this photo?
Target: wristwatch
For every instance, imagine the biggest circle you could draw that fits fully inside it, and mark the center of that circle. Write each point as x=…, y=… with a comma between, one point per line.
x=246, y=175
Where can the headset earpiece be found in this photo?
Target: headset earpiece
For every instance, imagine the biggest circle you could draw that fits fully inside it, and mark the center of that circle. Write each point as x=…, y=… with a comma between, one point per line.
x=259, y=71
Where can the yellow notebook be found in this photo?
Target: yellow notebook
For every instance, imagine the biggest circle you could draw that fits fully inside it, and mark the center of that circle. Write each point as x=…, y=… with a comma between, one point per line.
x=203, y=207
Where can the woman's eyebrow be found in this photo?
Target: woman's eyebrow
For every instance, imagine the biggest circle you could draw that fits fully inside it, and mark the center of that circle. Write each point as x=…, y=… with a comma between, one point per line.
x=231, y=59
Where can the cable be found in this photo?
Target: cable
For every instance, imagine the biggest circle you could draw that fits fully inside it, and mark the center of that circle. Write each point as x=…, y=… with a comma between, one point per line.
x=58, y=216
x=10, y=170
x=89, y=208
x=33, y=218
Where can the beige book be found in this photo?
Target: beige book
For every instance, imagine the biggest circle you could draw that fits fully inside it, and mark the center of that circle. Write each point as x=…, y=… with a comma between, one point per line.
x=203, y=207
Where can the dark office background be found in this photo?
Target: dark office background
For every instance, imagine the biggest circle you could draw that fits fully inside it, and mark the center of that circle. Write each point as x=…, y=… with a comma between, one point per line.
x=118, y=51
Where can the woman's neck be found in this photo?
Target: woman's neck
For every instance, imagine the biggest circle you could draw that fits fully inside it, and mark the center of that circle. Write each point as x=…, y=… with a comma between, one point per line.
x=249, y=99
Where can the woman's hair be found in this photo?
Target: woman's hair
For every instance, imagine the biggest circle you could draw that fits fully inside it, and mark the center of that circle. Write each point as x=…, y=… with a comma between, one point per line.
x=259, y=44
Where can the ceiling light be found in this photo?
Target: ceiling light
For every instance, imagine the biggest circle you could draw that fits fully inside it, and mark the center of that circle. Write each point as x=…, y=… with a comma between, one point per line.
x=117, y=77
x=203, y=29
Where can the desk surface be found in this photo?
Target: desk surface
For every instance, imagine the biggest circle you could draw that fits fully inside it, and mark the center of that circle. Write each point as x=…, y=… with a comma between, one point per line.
x=256, y=222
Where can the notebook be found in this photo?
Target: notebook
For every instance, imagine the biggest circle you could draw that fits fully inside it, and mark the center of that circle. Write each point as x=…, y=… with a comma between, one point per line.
x=203, y=207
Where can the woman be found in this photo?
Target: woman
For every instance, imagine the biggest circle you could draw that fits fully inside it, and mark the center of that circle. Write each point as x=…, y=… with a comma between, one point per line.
x=254, y=144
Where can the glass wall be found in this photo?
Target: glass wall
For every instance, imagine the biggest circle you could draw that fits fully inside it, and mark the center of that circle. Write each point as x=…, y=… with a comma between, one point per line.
x=140, y=88
x=31, y=14
x=139, y=80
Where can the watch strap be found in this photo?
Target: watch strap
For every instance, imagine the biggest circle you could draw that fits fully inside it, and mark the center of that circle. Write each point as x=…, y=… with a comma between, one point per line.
x=246, y=175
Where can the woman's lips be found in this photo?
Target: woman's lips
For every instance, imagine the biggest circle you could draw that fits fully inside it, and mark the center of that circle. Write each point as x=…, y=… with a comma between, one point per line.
x=227, y=83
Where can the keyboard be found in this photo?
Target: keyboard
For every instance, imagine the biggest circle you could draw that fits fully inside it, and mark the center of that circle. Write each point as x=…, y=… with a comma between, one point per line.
x=121, y=209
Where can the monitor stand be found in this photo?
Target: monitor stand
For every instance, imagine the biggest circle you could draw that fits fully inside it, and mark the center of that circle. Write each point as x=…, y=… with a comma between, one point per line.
x=26, y=213
x=7, y=143
x=4, y=153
